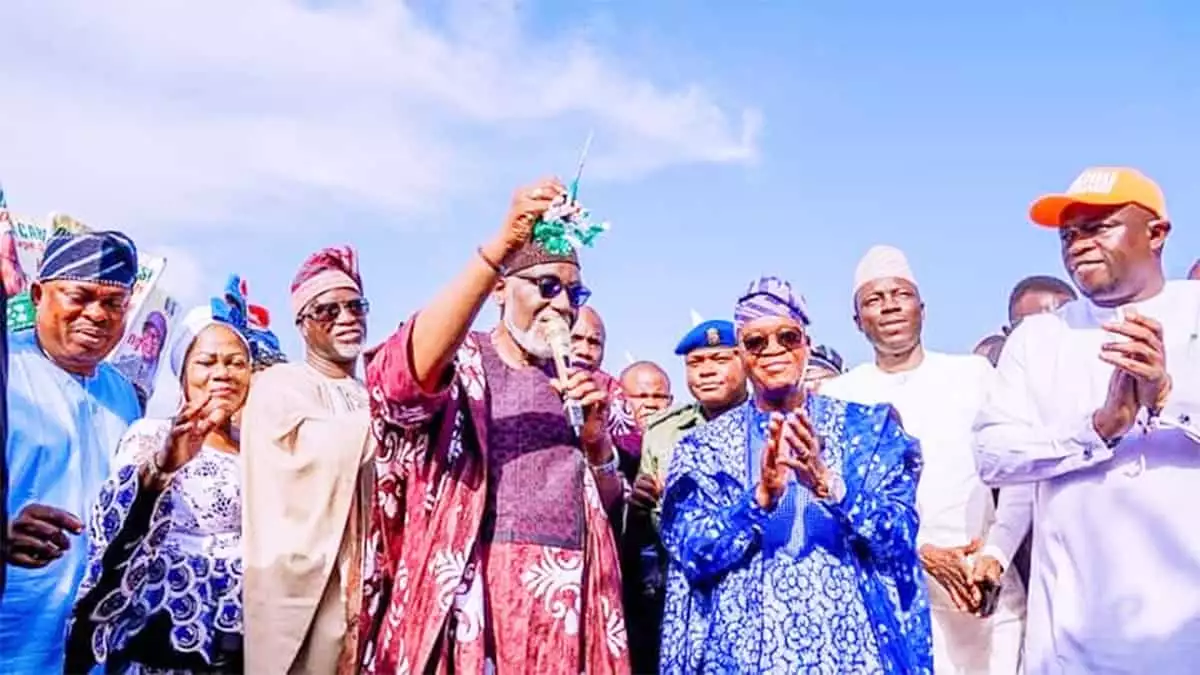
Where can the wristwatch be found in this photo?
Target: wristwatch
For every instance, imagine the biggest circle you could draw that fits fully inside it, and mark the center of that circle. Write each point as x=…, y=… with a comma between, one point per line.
x=611, y=466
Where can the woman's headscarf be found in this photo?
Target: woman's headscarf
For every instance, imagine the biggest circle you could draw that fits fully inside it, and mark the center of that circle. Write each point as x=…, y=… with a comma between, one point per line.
x=233, y=311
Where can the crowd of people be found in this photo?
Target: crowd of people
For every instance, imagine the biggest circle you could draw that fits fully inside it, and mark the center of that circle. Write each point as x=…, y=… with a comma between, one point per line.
x=456, y=500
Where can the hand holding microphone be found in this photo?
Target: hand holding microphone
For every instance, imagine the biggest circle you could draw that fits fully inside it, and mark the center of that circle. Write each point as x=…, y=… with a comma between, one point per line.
x=584, y=400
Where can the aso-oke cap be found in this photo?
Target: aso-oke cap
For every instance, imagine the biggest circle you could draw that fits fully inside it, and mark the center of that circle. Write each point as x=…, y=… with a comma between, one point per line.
x=328, y=269
x=770, y=296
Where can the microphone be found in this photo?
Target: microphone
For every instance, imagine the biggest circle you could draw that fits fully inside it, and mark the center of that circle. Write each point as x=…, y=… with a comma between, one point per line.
x=559, y=337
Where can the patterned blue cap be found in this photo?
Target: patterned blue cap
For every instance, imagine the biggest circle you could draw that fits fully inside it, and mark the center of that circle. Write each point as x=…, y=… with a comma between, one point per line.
x=826, y=357
x=714, y=333
x=770, y=296
x=108, y=258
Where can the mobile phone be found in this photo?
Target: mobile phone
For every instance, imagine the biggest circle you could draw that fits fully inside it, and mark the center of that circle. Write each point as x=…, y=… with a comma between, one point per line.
x=991, y=597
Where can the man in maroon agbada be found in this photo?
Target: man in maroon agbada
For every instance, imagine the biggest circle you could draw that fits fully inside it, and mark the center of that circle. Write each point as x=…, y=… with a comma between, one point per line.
x=489, y=548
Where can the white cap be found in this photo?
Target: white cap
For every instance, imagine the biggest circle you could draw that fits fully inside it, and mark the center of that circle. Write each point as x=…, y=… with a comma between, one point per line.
x=882, y=262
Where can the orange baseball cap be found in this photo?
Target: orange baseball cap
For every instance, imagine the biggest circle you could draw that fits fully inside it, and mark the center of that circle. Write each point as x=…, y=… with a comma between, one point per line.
x=1101, y=186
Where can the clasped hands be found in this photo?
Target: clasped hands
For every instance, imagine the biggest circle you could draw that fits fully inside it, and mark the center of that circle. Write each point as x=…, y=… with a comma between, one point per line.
x=1139, y=379
x=792, y=447
x=963, y=580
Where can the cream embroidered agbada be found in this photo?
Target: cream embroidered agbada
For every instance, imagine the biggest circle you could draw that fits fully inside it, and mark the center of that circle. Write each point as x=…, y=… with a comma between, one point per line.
x=305, y=452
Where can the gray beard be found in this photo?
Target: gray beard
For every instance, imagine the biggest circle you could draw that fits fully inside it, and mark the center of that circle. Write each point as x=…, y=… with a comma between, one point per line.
x=528, y=340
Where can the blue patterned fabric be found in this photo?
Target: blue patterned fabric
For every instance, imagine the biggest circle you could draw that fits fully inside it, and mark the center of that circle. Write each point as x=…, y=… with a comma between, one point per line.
x=108, y=258
x=185, y=567
x=823, y=356
x=785, y=526
x=770, y=296
x=233, y=309
x=849, y=598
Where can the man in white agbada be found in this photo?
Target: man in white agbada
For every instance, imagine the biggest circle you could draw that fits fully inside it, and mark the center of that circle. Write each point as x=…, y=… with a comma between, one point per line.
x=963, y=538
x=1097, y=405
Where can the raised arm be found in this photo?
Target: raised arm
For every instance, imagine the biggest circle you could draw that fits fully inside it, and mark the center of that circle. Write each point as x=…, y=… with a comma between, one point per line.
x=439, y=329
x=1012, y=443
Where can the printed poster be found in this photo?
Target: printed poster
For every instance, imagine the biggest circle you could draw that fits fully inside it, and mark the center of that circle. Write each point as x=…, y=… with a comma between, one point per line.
x=147, y=326
x=152, y=311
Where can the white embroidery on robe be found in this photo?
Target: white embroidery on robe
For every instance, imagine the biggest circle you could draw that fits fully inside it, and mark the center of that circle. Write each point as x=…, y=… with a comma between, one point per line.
x=555, y=579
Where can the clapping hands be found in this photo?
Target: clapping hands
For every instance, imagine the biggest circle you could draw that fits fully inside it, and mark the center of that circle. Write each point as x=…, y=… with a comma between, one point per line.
x=792, y=446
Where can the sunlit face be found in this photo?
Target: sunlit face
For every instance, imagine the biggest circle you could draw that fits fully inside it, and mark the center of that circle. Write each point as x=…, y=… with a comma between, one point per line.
x=716, y=376
x=587, y=339
x=649, y=391
x=890, y=314
x=79, y=323
x=531, y=299
x=217, y=368
x=1111, y=252
x=775, y=351
x=334, y=325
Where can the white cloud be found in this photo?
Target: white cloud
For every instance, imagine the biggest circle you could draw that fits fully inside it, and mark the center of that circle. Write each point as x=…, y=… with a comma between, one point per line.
x=199, y=109
x=184, y=278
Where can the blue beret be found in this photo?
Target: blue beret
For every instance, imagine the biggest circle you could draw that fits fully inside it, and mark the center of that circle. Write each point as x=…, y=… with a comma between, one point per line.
x=108, y=258
x=715, y=333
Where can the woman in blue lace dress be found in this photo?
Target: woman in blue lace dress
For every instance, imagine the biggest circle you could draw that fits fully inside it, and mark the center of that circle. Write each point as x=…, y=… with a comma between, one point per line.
x=791, y=524
x=162, y=593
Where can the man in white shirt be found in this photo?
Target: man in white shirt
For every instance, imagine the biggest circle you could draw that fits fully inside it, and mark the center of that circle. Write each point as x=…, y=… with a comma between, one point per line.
x=938, y=397
x=1096, y=406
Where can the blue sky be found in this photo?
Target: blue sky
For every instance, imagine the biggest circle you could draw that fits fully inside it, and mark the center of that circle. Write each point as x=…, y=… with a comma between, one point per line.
x=733, y=140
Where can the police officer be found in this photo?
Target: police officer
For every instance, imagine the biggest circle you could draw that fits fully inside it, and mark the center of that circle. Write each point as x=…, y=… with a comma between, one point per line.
x=717, y=380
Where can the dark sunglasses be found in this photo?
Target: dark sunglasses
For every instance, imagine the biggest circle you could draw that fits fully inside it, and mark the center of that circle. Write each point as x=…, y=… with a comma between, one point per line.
x=324, y=312
x=788, y=338
x=549, y=286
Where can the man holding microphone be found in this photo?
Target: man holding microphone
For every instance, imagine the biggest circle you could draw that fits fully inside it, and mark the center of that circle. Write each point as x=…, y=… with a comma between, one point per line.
x=492, y=548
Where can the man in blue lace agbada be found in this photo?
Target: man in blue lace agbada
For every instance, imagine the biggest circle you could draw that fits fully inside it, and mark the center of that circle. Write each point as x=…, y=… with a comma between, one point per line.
x=791, y=523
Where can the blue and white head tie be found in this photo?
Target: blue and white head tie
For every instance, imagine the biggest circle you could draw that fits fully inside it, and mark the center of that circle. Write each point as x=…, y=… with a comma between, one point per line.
x=231, y=310
x=234, y=310
x=770, y=296
x=108, y=258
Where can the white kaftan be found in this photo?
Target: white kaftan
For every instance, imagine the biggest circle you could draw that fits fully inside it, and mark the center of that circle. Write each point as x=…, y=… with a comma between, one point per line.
x=938, y=401
x=1115, y=579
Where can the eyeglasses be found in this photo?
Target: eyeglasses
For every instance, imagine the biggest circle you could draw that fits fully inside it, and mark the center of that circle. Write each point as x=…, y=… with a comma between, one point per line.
x=788, y=338
x=549, y=286
x=324, y=312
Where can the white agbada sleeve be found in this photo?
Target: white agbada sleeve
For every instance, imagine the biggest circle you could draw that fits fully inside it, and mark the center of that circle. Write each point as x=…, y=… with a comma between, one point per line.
x=1014, y=519
x=1012, y=444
